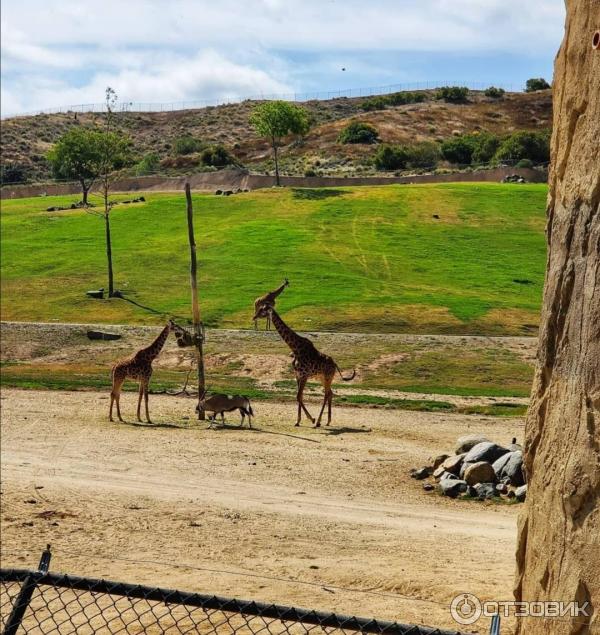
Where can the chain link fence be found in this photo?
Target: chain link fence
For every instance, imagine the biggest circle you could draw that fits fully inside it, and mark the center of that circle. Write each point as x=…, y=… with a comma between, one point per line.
x=39, y=602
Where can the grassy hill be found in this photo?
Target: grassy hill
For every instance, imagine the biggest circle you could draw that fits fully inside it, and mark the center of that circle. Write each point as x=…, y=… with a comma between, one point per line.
x=26, y=140
x=368, y=259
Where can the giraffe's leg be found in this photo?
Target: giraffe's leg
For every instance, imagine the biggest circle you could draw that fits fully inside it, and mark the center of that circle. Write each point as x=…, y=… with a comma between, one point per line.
x=300, y=398
x=115, y=397
x=146, y=401
x=327, y=389
x=329, y=407
x=140, y=395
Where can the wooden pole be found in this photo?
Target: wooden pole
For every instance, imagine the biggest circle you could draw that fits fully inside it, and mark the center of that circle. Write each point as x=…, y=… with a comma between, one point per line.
x=198, y=332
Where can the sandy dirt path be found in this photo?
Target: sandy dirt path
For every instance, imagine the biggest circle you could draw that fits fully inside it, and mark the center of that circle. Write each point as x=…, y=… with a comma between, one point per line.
x=325, y=519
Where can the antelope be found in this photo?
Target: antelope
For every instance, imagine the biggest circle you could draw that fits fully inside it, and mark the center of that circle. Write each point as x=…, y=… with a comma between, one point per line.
x=220, y=403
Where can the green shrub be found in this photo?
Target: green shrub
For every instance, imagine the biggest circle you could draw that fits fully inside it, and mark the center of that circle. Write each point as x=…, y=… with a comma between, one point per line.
x=148, y=165
x=486, y=145
x=452, y=94
x=390, y=157
x=524, y=163
x=398, y=157
x=459, y=150
x=494, y=93
x=186, y=145
x=310, y=172
x=525, y=145
x=374, y=103
x=13, y=173
x=424, y=155
x=358, y=132
x=536, y=83
x=401, y=98
x=216, y=156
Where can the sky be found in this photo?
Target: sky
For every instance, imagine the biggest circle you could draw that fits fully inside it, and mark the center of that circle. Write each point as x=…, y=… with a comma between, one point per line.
x=63, y=52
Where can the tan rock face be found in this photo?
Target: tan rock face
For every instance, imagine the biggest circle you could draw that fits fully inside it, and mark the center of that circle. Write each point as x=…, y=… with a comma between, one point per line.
x=558, y=553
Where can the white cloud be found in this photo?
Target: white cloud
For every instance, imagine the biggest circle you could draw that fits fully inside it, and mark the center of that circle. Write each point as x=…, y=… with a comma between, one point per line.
x=66, y=51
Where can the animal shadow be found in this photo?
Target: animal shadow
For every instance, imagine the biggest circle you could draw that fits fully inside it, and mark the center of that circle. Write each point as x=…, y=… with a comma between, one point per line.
x=344, y=430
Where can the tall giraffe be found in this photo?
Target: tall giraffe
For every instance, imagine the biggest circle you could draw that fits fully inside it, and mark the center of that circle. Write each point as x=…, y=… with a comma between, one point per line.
x=137, y=367
x=269, y=298
x=308, y=362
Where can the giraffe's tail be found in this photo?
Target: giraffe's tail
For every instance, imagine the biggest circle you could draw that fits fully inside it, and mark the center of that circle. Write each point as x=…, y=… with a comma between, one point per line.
x=346, y=378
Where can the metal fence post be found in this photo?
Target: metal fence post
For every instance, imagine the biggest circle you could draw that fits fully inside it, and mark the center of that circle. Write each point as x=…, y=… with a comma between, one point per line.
x=24, y=598
x=495, y=625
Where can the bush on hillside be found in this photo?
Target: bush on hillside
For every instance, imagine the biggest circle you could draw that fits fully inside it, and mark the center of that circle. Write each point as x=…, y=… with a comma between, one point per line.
x=186, y=145
x=453, y=94
x=525, y=163
x=485, y=147
x=494, y=93
x=536, y=83
x=525, y=145
x=398, y=157
x=459, y=150
x=12, y=173
x=380, y=102
x=148, y=165
x=217, y=156
x=389, y=157
x=358, y=132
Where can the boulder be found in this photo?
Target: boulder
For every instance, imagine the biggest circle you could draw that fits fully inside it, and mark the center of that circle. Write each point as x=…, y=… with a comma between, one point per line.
x=421, y=473
x=452, y=487
x=218, y=192
x=513, y=470
x=439, y=471
x=439, y=460
x=500, y=463
x=485, y=490
x=428, y=487
x=453, y=463
x=521, y=493
x=502, y=488
x=465, y=443
x=449, y=475
x=480, y=472
x=485, y=451
x=101, y=335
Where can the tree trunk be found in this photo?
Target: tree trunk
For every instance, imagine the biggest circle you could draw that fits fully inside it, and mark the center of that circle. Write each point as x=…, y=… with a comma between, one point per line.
x=558, y=554
x=84, y=190
x=276, y=162
x=109, y=255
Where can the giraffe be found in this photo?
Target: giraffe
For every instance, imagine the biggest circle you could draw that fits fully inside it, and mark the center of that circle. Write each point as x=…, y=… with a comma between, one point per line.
x=269, y=298
x=307, y=362
x=137, y=367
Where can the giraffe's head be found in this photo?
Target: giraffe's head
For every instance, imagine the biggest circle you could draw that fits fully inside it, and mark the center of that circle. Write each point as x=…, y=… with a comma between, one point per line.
x=265, y=310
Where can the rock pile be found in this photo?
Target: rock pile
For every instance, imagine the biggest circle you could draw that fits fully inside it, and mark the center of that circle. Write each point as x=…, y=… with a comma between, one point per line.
x=479, y=469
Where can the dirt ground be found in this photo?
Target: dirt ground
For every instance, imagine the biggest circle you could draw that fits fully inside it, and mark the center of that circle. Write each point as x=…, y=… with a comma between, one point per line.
x=321, y=518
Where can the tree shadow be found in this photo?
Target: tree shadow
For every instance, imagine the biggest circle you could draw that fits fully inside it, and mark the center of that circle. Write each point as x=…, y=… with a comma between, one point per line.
x=310, y=194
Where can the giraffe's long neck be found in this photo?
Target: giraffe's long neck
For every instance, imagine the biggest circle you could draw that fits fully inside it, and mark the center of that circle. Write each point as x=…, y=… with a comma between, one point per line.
x=154, y=349
x=290, y=337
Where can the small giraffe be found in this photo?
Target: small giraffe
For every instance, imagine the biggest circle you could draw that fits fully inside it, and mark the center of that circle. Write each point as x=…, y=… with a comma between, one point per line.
x=137, y=367
x=307, y=362
x=268, y=299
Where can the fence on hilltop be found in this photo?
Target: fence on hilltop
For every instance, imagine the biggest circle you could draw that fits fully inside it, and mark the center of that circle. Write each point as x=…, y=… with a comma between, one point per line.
x=366, y=91
x=39, y=602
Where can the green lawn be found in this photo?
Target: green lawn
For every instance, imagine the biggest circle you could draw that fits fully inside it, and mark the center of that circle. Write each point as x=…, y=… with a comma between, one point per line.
x=367, y=259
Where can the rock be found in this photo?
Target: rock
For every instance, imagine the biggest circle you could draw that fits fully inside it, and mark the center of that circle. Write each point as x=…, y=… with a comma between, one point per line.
x=510, y=493
x=439, y=460
x=99, y=294
x=480, y=472
x=485, y=451
x=509, y=468
x=485, y=490
x=513, y=470
x=521, y=493
x=218, y=192
x=465, y=443
x=428, y=487
x=142, y=199
x=227, y=192
x=449, y=475
x=438, y=472
x=452, y=487
x=421, y=473
x=101, y=335
x=514, y=446
x=453, y=463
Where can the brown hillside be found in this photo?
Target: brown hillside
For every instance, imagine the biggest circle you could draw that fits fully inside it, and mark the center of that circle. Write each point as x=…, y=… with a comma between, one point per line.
x=25, y=140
